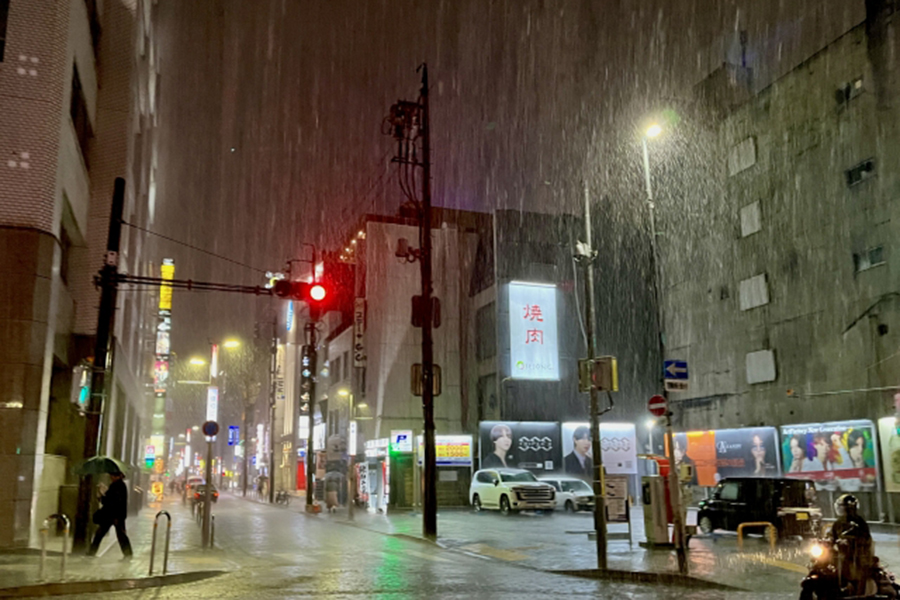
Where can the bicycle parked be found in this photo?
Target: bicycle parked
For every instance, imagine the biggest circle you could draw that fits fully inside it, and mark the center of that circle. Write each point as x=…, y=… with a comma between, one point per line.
x=282, y=497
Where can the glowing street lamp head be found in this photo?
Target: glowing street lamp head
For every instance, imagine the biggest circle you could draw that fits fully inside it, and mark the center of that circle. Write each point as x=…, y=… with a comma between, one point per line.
x=654, y=130
x=198, y=361
x=343, y=392
x=651, y=423
x=231, y=344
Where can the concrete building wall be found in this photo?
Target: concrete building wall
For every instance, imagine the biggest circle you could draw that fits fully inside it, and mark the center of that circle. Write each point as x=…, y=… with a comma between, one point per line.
x=783, y=268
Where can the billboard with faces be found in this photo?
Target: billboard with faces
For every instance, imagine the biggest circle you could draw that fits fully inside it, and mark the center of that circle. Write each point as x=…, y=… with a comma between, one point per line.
x=839, y=455
x=528, y=445
x=618, y=443
x=715, y=454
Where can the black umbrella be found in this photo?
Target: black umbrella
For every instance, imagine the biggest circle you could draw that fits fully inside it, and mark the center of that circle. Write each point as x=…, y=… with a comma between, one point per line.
x=101, y=464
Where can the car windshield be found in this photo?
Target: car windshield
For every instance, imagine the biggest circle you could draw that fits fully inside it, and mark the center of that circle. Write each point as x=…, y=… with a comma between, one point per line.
x=515, y=477
x=576, y=486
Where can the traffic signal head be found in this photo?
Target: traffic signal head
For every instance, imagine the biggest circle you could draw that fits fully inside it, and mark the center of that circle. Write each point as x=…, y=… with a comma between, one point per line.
x=317, y=292
x=314, y=294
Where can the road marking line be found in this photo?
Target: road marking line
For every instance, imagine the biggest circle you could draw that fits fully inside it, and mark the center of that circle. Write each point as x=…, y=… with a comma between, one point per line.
x=783, y=564
x=497, y=553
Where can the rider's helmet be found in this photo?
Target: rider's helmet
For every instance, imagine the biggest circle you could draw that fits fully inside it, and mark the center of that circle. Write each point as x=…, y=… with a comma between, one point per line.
x=846, y=504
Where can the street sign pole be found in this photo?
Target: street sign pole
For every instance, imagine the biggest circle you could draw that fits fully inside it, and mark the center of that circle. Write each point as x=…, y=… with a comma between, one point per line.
x=210, y=429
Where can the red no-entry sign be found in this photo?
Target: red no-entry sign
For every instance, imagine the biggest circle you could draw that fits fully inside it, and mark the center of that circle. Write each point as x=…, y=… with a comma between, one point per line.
x=657, y=406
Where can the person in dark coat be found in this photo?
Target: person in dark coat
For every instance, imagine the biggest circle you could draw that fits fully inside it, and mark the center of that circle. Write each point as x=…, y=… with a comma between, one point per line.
x=112, y=514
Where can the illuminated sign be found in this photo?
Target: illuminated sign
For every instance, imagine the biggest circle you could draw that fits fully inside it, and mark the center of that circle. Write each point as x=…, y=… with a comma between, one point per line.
x=167, y=273
x=449, y=450
x=401, y=441
x=290, y=315
x=533, y=349
x=618, y=444
x=161, y=376
x=214, y=362
x=212, y=403
x=351, y=443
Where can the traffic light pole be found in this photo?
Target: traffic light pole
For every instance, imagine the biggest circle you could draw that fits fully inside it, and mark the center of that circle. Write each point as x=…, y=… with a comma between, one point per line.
x=310, y=453
x=105, y=322
x=599, y=484
x=429, y=508
x=274, y=375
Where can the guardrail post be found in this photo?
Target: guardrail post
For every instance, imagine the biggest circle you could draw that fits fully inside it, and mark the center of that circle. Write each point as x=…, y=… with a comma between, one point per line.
x=45, y=531
x=212, y=532
x=153, y=541
x=773, y=533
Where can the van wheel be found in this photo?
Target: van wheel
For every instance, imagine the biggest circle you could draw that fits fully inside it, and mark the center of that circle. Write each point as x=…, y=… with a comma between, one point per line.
x=706, y=525
x=504, y=505
x=476, y=502
x=570, y=506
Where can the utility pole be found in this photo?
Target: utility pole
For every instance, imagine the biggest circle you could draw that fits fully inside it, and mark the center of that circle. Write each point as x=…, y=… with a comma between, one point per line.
x=310, y=453
x=274, y=375
x=102, y=363
x=599, y=483
x=429, y=512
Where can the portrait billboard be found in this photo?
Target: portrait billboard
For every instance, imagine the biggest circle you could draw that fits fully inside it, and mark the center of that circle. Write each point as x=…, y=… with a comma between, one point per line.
x=839, y=455
x=533, y=348
x=520, y=445
x=716, y=454
x=618, y=443
x=890, y=453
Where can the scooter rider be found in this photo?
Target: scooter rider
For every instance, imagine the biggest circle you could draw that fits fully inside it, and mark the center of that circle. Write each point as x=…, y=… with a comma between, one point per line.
x=851, y=537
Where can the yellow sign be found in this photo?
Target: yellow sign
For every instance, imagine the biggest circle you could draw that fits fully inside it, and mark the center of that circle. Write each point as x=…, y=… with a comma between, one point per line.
x=158, y=488
x=166, y=272
x=159, y=466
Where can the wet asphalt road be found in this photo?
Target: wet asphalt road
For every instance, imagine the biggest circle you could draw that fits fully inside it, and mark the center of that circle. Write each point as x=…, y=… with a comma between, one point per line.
x=279, y=553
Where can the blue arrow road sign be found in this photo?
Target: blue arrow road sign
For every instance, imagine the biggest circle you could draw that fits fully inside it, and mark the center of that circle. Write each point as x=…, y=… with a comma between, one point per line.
x=675, y=369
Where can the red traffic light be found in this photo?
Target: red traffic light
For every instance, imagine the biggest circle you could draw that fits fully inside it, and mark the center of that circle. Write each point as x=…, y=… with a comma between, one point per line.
x=317, y=292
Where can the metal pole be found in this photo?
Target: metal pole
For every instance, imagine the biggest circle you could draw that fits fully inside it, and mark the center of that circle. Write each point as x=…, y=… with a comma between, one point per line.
x=105, y=328
x=429, y=512
x=674, y=488
x=274, y=375
x=310, y=453
x=168, y=535
x=597, y=476
x=351, y=475
x=43, y=551
x=207, y=496
x=62, y=571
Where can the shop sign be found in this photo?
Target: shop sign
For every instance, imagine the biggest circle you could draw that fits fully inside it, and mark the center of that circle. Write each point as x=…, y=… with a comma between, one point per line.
x=449, y=450
x=533, y=349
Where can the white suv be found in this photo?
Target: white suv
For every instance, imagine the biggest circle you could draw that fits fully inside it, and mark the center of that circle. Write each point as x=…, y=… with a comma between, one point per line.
x=510, y=490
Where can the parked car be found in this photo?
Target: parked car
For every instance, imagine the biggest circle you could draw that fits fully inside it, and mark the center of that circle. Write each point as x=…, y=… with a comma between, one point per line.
x=192, y=481
x=786, y=503
x=510, y=490
x=572, y=494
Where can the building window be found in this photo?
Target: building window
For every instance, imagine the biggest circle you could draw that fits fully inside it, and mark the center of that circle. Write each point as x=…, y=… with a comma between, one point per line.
x=335, y=370
x=486, y=332
x=867, y=259
x=861, y=172
x=78, y=111
x=4, y=13
x=345, y=360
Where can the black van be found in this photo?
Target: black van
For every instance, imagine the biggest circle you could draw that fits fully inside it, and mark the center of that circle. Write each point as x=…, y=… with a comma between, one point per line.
x=786, y=503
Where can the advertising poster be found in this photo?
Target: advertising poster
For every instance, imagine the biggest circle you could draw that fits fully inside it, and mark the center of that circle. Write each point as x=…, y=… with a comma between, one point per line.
x=890, y=453
x=838, y=456
x=534, y=353
x=520, y=445
x=618, y=442
x=716, y=454
x=450, y=450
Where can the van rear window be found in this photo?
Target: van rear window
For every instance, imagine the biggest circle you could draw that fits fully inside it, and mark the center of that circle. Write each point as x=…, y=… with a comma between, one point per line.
x=794, y=494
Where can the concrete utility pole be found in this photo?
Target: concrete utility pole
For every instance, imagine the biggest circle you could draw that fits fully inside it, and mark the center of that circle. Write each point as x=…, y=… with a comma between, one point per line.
x=429, y=509
x=102, y=363
x=599, y=483
x=310, y=453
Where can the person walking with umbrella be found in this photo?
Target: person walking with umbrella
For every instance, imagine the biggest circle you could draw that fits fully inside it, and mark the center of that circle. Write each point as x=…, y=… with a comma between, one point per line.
x=112, y=514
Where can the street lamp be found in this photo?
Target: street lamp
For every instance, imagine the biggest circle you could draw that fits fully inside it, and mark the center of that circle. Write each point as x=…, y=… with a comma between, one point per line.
x=197, y=361
x=677, y=517
x=231, y=344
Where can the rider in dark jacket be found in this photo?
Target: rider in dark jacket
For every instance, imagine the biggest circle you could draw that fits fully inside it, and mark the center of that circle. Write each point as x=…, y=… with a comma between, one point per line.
x=851, y=537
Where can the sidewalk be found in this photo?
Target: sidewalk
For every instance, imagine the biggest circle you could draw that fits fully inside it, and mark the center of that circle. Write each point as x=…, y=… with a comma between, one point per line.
x=560, y=543
x=185, y=554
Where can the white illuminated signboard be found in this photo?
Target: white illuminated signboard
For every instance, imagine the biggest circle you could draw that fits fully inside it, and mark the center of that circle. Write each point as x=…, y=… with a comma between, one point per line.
x=212, y=403
x=533, y=348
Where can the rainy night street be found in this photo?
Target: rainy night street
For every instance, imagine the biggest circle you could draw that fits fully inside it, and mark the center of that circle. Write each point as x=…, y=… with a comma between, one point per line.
x=450, y=299
x=273, y=552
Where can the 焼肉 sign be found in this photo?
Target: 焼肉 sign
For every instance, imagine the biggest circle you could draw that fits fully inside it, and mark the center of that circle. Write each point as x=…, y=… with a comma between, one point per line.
x=533, y=348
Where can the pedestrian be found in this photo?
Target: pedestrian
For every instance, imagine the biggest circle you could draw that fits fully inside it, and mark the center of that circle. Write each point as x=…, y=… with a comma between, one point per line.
x=112, y=513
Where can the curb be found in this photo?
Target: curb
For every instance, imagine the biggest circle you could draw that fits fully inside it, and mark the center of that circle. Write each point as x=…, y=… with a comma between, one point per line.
x=109, y=585
x=648, y=577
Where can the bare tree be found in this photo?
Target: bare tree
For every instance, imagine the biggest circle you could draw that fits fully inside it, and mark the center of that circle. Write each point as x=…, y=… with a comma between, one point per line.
x=245, y=369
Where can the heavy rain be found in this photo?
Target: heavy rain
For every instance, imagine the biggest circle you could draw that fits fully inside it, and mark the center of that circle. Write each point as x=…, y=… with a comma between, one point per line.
x=449, y=298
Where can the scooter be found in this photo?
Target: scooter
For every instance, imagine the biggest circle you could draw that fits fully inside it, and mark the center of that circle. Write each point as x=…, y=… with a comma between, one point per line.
x=824, y=581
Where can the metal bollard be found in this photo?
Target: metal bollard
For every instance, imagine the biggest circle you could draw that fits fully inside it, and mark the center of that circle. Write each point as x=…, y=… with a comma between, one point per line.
x=212, y=531
x=45, y=531
x=153, y=541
